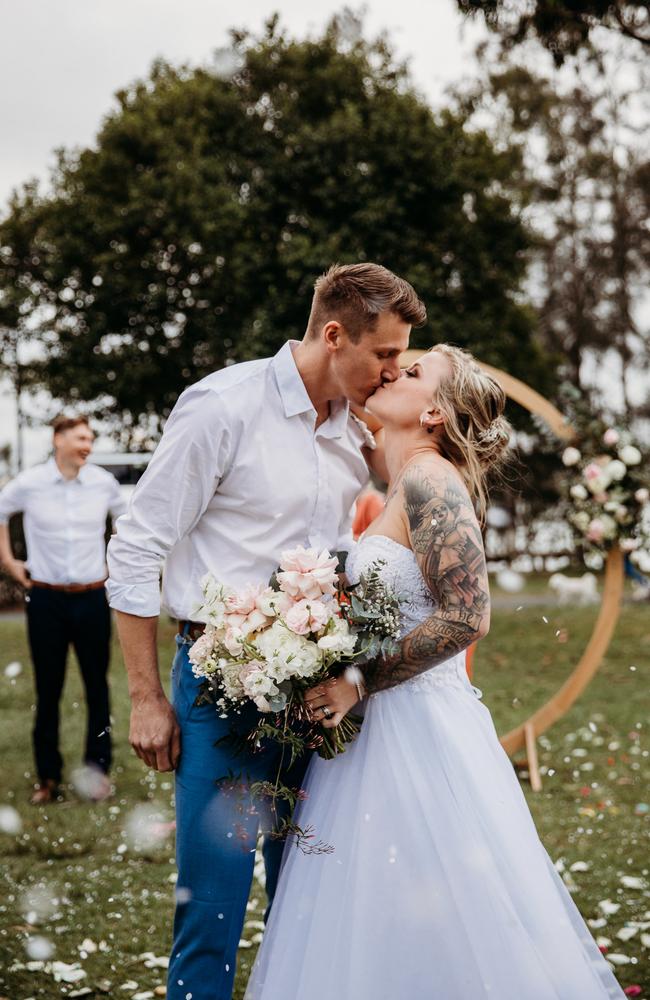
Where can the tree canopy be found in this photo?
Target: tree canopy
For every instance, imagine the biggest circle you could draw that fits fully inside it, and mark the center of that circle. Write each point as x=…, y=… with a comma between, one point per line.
x=563, y=27
x=190, y=235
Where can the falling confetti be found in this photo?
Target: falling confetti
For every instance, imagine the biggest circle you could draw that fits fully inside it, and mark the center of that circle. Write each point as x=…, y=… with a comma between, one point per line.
x=39, y=948
x=10, y=821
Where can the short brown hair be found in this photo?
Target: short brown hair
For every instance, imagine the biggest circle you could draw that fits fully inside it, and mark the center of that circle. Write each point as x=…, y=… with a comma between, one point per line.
x=356, y=294
x=66, y=423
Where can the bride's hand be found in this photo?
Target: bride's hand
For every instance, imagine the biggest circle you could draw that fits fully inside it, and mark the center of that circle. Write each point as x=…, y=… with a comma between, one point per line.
x=337, y=696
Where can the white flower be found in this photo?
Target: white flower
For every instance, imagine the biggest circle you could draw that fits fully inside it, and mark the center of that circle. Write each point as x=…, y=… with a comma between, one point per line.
x=616, y=469
x=630, y=455
x=611, y=437
x=578, y=492
x=338, y=639
x=216, y=594
x=571, y=456
x=630, y=544
x=287, y=654
x=642, y=495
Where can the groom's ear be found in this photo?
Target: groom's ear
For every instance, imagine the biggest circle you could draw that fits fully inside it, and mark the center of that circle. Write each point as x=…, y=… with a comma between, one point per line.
x=332, y=333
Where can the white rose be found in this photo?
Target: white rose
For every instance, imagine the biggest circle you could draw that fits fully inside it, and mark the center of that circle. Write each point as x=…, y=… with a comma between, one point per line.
x=642, y=495
x=611, y=436
x=616, y=469
x=578, y=492
x=339, y=639
x=571, y=456
x=581, y=520
x=630, y=455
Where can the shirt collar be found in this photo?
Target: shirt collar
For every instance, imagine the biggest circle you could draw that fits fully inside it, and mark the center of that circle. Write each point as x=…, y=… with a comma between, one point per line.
x=295, y=397
x=58, y=477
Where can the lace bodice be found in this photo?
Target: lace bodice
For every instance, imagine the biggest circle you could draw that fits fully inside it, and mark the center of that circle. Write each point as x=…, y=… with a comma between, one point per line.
x=401, y=572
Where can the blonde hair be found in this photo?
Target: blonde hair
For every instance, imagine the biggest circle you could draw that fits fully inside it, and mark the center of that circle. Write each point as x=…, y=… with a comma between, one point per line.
x=475, y=434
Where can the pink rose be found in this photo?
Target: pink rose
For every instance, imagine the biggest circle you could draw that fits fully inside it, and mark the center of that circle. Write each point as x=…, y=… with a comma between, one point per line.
x=611, y=436
x=592, y=471
x=307, y=616
x=596, y=530
x=305, y=573
x=245, y=600
x=233, y=640
x=243, y=608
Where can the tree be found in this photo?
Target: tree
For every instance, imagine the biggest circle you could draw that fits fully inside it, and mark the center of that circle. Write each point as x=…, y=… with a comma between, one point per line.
x=19, y=297
x=564, y=27
x=191, y=234
x=587, y=182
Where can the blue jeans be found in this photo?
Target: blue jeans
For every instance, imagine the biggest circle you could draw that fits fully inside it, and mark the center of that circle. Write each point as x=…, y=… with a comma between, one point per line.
x=216, y=833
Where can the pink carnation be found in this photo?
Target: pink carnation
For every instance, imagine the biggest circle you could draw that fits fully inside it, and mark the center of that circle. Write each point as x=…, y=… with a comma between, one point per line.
x=307, y=574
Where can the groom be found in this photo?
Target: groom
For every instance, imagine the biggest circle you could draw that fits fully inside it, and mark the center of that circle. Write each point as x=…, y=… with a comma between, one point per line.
x=255, y=458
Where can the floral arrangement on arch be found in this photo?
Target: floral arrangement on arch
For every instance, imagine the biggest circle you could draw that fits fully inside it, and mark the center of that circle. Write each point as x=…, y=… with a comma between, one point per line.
x=606, y=495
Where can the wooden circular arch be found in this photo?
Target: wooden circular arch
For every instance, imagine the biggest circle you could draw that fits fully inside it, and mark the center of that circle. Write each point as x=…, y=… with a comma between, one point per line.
x=610, y=608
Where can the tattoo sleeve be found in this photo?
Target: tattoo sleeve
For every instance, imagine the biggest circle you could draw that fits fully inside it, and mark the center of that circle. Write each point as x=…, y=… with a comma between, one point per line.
x=447, y=543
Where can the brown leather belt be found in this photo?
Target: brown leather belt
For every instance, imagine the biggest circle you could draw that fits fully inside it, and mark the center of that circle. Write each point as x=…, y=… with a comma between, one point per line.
x=194, y=629
x=69, y=588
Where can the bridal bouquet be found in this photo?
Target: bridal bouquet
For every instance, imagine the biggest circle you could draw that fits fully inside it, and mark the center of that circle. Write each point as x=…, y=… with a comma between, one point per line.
x=270, y=644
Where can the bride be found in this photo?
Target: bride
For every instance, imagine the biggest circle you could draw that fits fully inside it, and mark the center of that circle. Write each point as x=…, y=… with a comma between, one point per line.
x=438, y=887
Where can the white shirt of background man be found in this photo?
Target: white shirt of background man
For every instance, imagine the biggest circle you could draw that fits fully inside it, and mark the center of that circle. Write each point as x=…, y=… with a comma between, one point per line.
x=241, y=473
x=64, y=520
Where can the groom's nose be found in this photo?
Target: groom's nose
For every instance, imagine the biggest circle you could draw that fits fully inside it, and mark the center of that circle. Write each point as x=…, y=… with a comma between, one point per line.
x=391, y=370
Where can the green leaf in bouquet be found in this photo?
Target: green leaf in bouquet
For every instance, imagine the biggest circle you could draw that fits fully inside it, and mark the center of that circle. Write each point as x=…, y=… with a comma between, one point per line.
x=390, y=647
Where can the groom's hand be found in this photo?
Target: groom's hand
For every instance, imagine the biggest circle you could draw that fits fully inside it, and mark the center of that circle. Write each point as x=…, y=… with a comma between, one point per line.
x=337, y=696
x=154, y=733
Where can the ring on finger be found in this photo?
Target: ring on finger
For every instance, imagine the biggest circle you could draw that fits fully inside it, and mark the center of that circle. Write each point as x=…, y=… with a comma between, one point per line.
x=326, y=712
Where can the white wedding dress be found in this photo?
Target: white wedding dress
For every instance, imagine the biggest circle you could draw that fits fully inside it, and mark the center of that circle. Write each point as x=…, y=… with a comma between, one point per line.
x=438, y=887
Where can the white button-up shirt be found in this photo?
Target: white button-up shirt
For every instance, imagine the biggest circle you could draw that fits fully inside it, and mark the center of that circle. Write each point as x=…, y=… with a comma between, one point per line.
x=64, y=520
x=241, y=473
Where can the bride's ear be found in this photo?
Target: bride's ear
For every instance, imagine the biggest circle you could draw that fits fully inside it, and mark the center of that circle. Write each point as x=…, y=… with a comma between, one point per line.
x=431, y=419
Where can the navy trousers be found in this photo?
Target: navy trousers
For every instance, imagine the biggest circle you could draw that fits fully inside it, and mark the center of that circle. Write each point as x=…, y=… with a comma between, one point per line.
x=216, y=834
x=56, y=620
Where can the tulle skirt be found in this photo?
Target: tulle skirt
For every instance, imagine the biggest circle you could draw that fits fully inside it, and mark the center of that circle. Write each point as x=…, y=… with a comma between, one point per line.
x=438, y=887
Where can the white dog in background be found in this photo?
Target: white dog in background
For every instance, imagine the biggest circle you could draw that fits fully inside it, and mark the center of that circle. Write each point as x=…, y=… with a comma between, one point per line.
x=574, y=589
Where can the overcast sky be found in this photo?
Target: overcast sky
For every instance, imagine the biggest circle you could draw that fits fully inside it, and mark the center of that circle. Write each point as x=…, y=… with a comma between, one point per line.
x=61, y=61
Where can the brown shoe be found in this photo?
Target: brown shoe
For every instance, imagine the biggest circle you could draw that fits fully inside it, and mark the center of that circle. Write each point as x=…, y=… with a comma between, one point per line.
x=45, y=792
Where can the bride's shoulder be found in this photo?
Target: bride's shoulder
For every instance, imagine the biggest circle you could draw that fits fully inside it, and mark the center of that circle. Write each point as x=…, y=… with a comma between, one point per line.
x=434, y=472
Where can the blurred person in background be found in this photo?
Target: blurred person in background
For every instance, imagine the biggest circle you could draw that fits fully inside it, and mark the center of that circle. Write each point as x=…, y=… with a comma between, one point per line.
x=65, y=504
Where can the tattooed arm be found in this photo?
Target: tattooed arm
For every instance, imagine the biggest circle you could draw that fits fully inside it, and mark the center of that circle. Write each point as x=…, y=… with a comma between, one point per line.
x=447, y=543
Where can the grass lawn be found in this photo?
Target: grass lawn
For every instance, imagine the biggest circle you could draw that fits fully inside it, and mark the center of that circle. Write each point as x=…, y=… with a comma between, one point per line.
x=73, y=873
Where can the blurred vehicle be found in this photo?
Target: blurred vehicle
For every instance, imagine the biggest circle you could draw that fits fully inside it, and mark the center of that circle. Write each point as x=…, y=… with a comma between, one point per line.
x=127, y=467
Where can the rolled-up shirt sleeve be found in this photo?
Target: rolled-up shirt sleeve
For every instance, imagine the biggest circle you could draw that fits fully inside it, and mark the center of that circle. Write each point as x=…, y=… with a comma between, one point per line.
x=181, y=479
x=12, y=499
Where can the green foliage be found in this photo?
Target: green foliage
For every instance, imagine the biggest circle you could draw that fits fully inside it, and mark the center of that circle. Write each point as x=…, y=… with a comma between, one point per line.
x=190, y=235
x=564, y=28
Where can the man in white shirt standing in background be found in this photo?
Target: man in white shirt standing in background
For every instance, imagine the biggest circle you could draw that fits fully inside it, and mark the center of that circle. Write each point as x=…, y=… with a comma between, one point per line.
x=255, y=459
x=65, y=503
